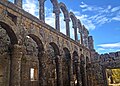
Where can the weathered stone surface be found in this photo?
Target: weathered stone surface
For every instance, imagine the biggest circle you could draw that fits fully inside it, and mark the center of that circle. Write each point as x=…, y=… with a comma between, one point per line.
x=33, y=53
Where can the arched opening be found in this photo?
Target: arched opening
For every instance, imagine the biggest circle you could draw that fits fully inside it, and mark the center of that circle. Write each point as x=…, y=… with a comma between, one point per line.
x=31, y=62
x=66, y=67
x=75, y=68
x=10, y=33
x=56, y=49
x=53, y=72
x=51, y=16
x=7, y=38
x=74, y=26
x=64, y=19
x=31, y=6
x=82, y=71
x=80, y=32
x=62, y=23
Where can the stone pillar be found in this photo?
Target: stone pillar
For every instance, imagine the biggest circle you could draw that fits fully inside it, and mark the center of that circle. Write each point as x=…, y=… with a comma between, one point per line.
x=18, y=3
x=85, y=32
x=41, y=10
x=42, y=80
x=75, y=32
x=90, y=43
x=77, y=67
x=71, y=71
x=59, y=70
x=86, y=40
x=104, y=75
x=57, y=19
x=85, y=75
x=15, y=70
x=78, y=74
x=81, y=38
x=67, y=20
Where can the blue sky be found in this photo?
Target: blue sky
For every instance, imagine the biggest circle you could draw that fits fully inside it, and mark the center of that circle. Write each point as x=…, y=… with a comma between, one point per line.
x=100, y=17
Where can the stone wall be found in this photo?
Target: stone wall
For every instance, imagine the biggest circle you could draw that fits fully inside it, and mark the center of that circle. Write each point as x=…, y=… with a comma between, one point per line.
x=33, y=53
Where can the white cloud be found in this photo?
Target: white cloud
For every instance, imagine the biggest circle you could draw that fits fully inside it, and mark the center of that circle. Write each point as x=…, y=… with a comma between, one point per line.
x=102, y=50
x=84, y=20
x=112, y=45
x=31, y=7
x=117, y=18
x=109, y=6
x=115, y=9
x=100, y=15
x=62, y=24
x=83, y=5
x=49, y=17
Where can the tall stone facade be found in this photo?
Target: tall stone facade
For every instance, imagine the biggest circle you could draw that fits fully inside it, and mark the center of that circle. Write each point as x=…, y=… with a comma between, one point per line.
x=33, y=53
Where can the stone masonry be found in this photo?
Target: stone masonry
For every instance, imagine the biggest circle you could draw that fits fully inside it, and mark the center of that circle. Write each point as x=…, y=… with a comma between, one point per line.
x=33, y=53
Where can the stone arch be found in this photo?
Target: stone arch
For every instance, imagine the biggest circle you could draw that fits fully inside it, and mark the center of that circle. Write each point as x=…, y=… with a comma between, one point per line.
x=55, y=47
x=67, y=53
x=38, y=41
x=34, y=53
x=82, y=57
x=66, y=17
x=79, y=26
x=73, y=18
x=75, y=56
x=33, y=44
x=7, y=38
x=66, y=67
x=87, y=59
x=53, y=52
x=10, y=32
x=55, y=5
x=74, y=24
x=64, y=10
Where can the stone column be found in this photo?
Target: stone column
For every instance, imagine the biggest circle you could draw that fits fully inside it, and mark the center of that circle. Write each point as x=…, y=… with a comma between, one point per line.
x=86, y=40
x=85, y=32
x=41, y=10
x=18, y=3
x=67, y=20
x=78, y=74
x=81, y=38
x=15, y=70
x=59, y=70
x=90, y=43
x=71, y=71
x=57, y=19
x=104, y=75
x=42, y=81
x=77, y=67
x=75, y=32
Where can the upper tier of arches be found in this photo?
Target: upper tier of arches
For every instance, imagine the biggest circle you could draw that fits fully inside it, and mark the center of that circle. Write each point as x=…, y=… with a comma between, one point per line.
x=59, y=7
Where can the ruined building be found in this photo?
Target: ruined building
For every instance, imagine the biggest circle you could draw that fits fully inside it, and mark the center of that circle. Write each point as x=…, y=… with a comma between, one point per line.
x=32, y=53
